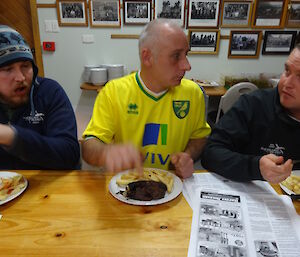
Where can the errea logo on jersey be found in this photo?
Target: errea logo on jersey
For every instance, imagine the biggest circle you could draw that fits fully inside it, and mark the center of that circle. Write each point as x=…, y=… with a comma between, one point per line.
x=132, y=108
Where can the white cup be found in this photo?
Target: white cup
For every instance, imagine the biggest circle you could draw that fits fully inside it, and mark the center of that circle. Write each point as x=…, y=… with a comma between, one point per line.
x=98, y=76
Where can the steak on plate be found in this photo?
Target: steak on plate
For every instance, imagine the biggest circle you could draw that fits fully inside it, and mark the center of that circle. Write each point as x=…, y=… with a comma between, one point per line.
x=145, y=190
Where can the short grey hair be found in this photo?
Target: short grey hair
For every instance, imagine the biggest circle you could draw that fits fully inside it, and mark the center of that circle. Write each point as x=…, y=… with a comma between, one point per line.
x=150, y=33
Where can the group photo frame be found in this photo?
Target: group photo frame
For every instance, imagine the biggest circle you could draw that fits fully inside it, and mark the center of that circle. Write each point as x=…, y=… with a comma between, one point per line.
x=244, y=44
x=236, y=14
x=105, y=13
x=72, y=13
x=136, y=12
x=204, y=41
x=278, y=42
x=293, y=15
x=170, y=9
x=203, y=14
x=269, y=13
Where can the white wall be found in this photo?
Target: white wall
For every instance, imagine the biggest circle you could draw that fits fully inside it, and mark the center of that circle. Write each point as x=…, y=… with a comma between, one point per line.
x=66, y=64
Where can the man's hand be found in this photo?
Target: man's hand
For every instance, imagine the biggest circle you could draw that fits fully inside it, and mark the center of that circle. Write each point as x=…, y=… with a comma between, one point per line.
x=7, y=135
x=121, y=157
x=183, y=163
x=274, y=169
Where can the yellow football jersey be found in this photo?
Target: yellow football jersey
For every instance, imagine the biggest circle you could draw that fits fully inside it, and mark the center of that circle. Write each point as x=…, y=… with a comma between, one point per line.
x=125, y=111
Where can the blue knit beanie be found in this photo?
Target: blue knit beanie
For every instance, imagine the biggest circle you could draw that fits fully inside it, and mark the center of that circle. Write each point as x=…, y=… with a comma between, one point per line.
x=13, y=48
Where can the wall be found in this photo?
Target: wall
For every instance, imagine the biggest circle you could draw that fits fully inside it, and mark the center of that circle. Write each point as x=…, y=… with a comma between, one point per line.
x=67, y=62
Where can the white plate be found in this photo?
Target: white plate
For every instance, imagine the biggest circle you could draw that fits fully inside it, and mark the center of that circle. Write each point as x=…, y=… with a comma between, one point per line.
x=114, y=189
x=285, y=189
x=8, y=174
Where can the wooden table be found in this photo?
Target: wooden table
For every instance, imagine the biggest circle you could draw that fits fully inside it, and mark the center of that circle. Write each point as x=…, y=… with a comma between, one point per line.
x=215, y=91
x=71, y=213
x=210, y=91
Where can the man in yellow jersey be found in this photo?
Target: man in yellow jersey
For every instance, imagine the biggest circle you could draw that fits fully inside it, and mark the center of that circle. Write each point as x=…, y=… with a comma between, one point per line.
x=154, y=117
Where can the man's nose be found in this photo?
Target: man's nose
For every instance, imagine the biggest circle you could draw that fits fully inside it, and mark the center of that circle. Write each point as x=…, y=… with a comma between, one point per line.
x=186, y=64
x=19, y=76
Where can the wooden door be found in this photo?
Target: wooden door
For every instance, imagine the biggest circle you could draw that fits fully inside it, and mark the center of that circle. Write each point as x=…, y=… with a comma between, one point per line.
x=22, y=16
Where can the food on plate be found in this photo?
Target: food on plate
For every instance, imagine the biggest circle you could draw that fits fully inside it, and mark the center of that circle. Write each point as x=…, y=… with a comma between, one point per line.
x=145, y=190
x=10, y=186
x=292, y=183
x=149, y=174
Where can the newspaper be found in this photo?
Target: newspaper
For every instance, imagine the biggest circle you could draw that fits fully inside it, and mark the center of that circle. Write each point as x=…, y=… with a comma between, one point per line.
x=232, y=223
x=215, y=181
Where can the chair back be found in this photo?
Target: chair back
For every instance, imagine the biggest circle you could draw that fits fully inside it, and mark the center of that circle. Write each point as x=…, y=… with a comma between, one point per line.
x=231, y=96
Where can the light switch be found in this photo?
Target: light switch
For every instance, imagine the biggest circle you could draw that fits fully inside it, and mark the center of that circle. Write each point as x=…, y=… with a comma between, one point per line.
x=88, y=38
x=48, y=25
x=55, y=27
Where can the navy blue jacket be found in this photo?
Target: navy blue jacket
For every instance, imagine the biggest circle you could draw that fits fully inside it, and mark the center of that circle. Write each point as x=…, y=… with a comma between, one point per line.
x=256, y=125
x=46, y=131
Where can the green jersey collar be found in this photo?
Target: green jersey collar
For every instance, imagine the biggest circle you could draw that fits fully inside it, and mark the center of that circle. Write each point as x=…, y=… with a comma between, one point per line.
x=146, y=91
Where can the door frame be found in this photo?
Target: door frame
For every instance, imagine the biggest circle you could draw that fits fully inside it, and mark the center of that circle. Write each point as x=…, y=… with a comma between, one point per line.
x=36, y=37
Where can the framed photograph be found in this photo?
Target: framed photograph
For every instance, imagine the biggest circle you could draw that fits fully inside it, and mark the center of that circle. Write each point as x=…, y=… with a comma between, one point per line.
x=293, y=15
x=72, y=13
x=204, y=41
x=244, y=44
x=170, y=9
x=105, y=13
x=236, y=14
x=269, y=13
x=137, y=12
x=278, y=42
x=203, y=13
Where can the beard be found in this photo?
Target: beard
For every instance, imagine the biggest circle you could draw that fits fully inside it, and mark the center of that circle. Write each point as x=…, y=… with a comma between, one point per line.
x=18, y=97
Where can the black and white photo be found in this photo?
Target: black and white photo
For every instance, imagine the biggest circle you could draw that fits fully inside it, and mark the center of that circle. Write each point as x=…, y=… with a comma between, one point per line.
x=268, y=13
x=278, y=42
x=72, y=13
x=137, y=12
x=203, y=13
x=236, y=13
x=105, y=13
x=293, y=15
x=170, y=9
x=244, y=44
x=204, y=41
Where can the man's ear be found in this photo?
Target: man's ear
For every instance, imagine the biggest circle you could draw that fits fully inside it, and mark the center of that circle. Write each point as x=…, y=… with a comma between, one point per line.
x=147, y=58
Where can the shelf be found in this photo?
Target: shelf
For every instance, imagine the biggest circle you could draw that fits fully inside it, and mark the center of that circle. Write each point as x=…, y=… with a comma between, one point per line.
x=91, y=87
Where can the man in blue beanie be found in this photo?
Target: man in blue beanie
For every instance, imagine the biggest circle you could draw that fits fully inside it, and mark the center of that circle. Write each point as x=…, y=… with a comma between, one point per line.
x=37, y=123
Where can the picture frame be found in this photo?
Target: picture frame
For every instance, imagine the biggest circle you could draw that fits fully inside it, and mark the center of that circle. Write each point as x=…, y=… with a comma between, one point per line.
x=269, y=13
x=204, y=41
x=72, y=13
x=293, y=15
x=278, y=42
x=170, y=9
x=137, y=12
x=105, y=13
x=244, y=44
x=236, y=14
x=203, y=14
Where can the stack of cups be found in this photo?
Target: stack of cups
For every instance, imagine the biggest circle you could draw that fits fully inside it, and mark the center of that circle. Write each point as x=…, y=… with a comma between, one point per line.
x=87, y=72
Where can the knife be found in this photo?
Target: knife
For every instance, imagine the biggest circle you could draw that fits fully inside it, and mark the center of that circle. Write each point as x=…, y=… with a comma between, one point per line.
x=295, y=196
